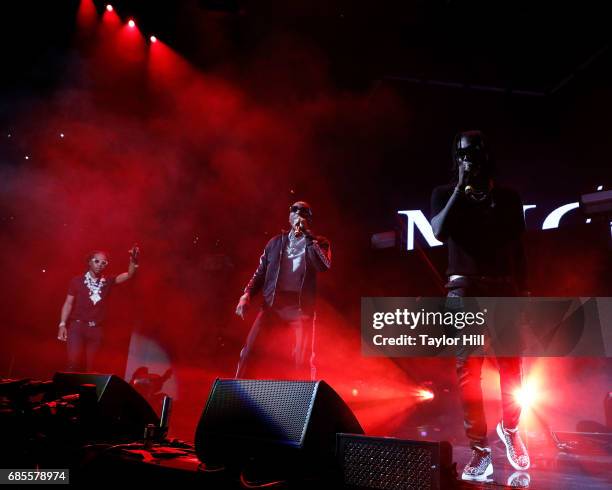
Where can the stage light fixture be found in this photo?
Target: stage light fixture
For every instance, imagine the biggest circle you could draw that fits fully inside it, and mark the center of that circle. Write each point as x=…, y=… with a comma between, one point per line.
x=131, y=23
x=109, y=7
x=153, y=39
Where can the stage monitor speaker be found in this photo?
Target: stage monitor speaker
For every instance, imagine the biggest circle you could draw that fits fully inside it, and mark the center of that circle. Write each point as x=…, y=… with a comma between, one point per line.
x=117, y=410
x=386, y=462
x=282, y=422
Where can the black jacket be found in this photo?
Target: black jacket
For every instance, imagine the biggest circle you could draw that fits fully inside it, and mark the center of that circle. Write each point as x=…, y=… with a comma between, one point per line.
x=318, y=259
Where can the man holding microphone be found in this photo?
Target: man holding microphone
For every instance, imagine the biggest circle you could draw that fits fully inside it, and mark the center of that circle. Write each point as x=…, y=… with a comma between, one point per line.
x=286, y=277
x=482, y=224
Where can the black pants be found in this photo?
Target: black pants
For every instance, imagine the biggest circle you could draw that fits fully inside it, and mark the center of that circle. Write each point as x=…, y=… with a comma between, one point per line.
x=280, y=344
x=469, y=371
x=83, y=341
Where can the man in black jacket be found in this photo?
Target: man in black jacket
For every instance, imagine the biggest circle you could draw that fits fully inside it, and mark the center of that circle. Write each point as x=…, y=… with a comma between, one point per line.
x=286, y=276
x=482, y=223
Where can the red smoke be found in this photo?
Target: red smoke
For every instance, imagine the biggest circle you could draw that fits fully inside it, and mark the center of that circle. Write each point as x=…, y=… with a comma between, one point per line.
x=199, y=169
x=138, y=146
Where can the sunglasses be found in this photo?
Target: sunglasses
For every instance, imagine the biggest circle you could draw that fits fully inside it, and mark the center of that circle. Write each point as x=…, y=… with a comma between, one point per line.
x=100, y=261
x=300, y=210
x=468, y=152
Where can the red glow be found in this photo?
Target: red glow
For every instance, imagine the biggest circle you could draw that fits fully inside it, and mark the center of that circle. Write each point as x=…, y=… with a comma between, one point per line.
x=131, y=46
x=87, y=14
x=377, y=390
x=191, y=114
x=109, y=8
x=424, y=394
x=118, y=46
x=527, y=395
x=167, y=69
x=109, y=19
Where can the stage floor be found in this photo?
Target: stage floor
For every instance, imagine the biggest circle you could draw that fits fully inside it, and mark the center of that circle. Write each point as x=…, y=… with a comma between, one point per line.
x=550, y=470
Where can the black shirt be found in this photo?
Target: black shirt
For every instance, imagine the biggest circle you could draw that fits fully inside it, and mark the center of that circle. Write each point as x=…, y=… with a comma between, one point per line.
x=484, y=238
x=83, y=308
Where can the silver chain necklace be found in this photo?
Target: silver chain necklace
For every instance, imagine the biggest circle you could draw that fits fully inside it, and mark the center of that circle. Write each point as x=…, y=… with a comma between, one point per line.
x=478, y=196
x=95, y=287
x=294, y=244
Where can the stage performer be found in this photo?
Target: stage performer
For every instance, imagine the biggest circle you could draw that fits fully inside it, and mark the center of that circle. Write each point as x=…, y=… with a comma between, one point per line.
x=482, y=223
x=284, y=330
x=84, y=309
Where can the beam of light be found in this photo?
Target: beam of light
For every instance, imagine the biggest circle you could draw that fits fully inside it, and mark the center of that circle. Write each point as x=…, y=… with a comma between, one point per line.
x=527, y=395
x=378, y=390
x=539, y=403
x=131, y=45
x=425, y=394
x=87, y=14
x=109, y=19
x=167, y=69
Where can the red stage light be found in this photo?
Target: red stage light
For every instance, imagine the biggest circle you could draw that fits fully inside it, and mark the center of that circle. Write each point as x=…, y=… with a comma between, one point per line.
x=131, y=23
x=109, y=8
x=526, y=396
x=87, y=14
x=424, y=394
x=153, y=39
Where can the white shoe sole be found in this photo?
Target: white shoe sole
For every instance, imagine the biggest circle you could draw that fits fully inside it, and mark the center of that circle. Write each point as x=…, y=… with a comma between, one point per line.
x=516, y=476
x=500, y=434
x=488, y=472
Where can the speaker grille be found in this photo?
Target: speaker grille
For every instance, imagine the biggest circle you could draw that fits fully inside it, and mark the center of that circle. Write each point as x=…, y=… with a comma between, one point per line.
x=269, y=410
x=380, y=463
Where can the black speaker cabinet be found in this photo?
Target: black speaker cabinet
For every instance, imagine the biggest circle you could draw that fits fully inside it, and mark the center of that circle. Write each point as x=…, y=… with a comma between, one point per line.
x=282, y=422
x=115, y=411
x=389, y=463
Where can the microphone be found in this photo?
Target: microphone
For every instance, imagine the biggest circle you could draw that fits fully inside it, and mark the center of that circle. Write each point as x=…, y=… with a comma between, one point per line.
x=134, y=253
x=467, y=169
x=300, y=228
x=297, y=228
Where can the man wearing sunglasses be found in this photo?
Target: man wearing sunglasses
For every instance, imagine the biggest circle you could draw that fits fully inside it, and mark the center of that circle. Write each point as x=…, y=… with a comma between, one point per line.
x=286, y=277
x=85, y=308
x=482, y=224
